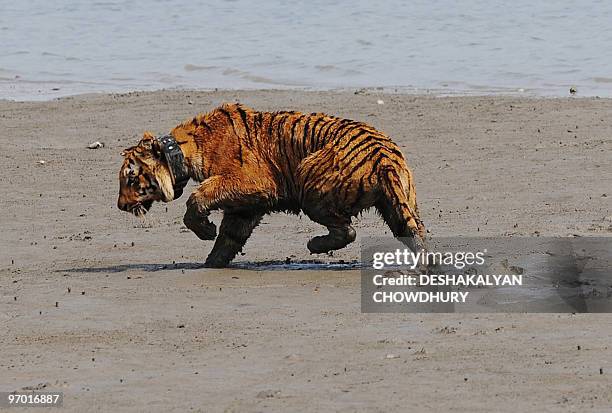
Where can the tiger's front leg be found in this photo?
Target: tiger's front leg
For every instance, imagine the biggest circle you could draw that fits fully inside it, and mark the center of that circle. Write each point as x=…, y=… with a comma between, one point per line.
x=235, y=229
x=224, y=192
x=199, y=205
x=197, y=221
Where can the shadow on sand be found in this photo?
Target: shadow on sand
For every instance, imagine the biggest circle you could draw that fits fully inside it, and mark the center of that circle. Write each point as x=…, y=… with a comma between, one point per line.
x=312, y=265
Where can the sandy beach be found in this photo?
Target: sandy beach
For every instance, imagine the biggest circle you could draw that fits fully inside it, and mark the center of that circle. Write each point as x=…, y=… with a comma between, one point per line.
x=120, y=314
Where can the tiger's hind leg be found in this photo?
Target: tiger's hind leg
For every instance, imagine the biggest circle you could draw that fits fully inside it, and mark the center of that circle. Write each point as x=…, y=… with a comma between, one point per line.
x=338, y=237
x=234, y=231
x=324, y=202
x=327, y=211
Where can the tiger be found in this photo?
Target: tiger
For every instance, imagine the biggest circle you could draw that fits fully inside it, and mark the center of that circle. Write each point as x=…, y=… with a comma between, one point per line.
x=250, y=163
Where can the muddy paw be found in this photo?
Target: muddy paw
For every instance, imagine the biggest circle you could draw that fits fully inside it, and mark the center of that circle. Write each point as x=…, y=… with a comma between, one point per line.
x=336, y=239
x=206, y=231
x=319, y=245
x=201, y=226
x=216, y=262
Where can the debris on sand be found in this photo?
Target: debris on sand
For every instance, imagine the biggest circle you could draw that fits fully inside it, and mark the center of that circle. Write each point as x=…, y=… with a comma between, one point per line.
x=95, y=145
x=268, y=394
x=445, y=330
x=380, y=102
x=39, y=386
x=41, y=162
x=392, y=356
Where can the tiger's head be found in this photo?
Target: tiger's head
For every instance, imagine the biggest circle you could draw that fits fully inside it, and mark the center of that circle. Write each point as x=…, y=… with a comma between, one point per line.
x=144, y=177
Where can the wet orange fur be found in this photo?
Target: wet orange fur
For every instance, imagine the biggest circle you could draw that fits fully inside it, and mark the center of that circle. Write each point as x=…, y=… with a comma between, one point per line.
x=250, y=163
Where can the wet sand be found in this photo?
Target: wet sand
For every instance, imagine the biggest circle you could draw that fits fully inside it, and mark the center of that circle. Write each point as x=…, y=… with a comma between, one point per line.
x=120, y=314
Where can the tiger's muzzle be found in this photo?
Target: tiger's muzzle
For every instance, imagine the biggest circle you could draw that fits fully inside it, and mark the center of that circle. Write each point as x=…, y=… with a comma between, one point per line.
x=137, y=208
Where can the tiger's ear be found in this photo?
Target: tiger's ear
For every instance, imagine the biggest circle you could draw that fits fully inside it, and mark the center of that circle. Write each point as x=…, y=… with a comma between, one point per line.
x=150, y=144
x=147, y=140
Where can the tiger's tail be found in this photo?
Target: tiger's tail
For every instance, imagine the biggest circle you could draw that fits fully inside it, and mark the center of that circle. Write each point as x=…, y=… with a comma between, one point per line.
x=398, y=206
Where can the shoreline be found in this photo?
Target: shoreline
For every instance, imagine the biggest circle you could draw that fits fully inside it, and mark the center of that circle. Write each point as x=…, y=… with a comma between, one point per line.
x=51, y=94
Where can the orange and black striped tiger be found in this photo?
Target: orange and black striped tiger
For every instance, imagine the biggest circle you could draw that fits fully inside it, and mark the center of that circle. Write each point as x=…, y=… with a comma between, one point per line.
x=251, y=163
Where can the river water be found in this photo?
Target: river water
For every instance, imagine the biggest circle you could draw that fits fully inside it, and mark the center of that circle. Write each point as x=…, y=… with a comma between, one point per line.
x=60, y=47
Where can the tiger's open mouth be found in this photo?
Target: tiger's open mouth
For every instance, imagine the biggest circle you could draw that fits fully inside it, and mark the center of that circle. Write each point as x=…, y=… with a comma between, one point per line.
x=141, y=208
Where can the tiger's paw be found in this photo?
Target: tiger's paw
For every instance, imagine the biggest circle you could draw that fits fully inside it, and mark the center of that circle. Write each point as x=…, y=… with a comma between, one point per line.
x=200, y=225
x=336, y=239
x=206, y=231
x=216, y=262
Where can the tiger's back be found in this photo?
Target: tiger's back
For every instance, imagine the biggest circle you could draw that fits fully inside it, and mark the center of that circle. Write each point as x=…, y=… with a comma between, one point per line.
x=339, y=167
